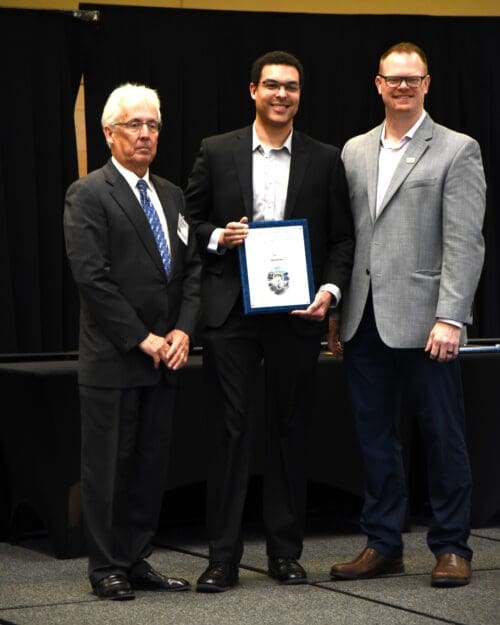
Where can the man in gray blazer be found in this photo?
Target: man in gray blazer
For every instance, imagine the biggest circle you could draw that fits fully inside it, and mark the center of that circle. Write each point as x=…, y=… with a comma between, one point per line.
x=138, y=274
x=417, y=194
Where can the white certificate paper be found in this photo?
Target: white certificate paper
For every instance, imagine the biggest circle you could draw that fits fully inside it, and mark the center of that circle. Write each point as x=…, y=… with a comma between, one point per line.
x=275, y=264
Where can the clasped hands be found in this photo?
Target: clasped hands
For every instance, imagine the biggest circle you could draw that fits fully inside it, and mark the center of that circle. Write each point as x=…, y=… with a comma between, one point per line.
x=172, y=349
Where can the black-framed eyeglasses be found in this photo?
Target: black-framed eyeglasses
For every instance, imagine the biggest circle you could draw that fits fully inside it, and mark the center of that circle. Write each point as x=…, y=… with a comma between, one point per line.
x=395, y=81
x=275, y=85
x=135, y=125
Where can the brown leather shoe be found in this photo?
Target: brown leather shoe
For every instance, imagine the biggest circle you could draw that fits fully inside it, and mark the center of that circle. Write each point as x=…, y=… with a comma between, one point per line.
x=451, y=570
x=369, y=563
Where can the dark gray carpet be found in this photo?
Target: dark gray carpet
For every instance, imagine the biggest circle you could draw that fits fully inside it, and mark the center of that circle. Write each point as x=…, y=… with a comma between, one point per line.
x=36, y=589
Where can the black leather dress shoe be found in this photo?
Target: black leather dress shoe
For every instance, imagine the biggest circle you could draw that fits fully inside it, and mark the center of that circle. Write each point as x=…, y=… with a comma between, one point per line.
x=114, y=587
x=218, y=577
x=152, y=580
x=287, y=571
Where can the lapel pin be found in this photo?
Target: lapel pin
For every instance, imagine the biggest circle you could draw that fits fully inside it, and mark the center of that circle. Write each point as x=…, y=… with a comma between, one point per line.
x=410, y=159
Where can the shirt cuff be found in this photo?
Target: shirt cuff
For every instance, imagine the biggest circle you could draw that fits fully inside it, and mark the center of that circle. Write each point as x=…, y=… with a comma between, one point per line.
x=334, y=290
x=452, y=322
x=213, y=243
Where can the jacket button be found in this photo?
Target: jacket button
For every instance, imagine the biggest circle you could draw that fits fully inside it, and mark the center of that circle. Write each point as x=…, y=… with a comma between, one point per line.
x=367, y=272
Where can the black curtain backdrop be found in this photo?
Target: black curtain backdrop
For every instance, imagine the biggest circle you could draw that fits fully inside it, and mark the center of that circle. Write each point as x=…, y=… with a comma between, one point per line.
x=40, y=59
x=199, y=61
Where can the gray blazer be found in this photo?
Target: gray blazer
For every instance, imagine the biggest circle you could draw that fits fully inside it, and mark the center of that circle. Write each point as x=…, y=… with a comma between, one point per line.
x=424, y=251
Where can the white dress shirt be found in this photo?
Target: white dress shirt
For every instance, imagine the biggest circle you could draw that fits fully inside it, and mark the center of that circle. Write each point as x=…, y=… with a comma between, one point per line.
x=132, y=179
x=270, y=173
x=389, y=156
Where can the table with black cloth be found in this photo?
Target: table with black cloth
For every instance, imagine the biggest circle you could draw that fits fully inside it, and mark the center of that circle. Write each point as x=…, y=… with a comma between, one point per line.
x=40, y=441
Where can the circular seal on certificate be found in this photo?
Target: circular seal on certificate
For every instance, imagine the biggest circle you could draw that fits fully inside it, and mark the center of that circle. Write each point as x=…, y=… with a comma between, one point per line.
x=278, y=280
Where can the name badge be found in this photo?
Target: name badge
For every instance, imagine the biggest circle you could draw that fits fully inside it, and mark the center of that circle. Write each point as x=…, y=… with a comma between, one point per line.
x=183, y=229
x=410, y=159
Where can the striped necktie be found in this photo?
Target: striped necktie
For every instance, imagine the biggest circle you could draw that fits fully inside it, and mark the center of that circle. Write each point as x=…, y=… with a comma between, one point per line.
x=154, y=222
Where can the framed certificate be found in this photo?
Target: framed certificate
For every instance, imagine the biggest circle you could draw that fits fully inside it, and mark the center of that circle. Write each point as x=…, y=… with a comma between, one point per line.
x=275, y=267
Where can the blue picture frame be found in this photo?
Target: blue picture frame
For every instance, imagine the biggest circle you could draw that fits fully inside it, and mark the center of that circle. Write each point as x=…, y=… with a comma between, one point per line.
x=272, y=294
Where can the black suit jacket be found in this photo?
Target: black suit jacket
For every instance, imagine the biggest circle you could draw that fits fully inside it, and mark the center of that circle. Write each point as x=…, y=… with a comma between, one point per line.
x=124, y=293
x=219, y=190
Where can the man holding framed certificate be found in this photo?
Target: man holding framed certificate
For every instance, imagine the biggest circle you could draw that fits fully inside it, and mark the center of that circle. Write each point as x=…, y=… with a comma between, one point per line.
x=254, y=185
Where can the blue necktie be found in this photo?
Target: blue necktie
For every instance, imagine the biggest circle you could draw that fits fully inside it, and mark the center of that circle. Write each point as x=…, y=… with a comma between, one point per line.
x=154, y=222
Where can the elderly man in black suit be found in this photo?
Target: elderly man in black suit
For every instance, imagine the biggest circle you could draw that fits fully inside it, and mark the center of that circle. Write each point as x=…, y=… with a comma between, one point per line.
x=266, y=171
x=138, y=273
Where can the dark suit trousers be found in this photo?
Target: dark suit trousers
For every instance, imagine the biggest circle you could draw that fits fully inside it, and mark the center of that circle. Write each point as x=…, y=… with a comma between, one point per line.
x=125, y=438
x=232, y=356
x=376, y=375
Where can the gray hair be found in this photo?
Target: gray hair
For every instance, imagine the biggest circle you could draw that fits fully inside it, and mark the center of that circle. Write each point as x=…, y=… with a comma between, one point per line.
x=123, y=97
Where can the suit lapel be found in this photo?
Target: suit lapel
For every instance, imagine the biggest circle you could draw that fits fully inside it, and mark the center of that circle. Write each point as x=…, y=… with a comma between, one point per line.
x=371, y=157
x=416, y=148
x=298, y=165
x=243, y=161
x=124, y=196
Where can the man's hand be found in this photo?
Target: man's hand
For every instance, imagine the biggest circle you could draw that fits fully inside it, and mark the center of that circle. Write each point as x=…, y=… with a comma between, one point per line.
x=176, y=351
x=234, y=233
x=333, y=339
x=443, y=342
x=318, y=309
x=153, y=345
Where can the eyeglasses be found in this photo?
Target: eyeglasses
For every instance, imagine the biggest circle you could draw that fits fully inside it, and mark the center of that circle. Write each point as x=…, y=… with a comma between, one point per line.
x=395, y=81
x=274, y=85
x=135, y=125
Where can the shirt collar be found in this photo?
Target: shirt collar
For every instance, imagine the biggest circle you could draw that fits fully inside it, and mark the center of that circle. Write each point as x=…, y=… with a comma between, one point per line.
x=130, y=176
x=406, y=137
x=256, y=142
